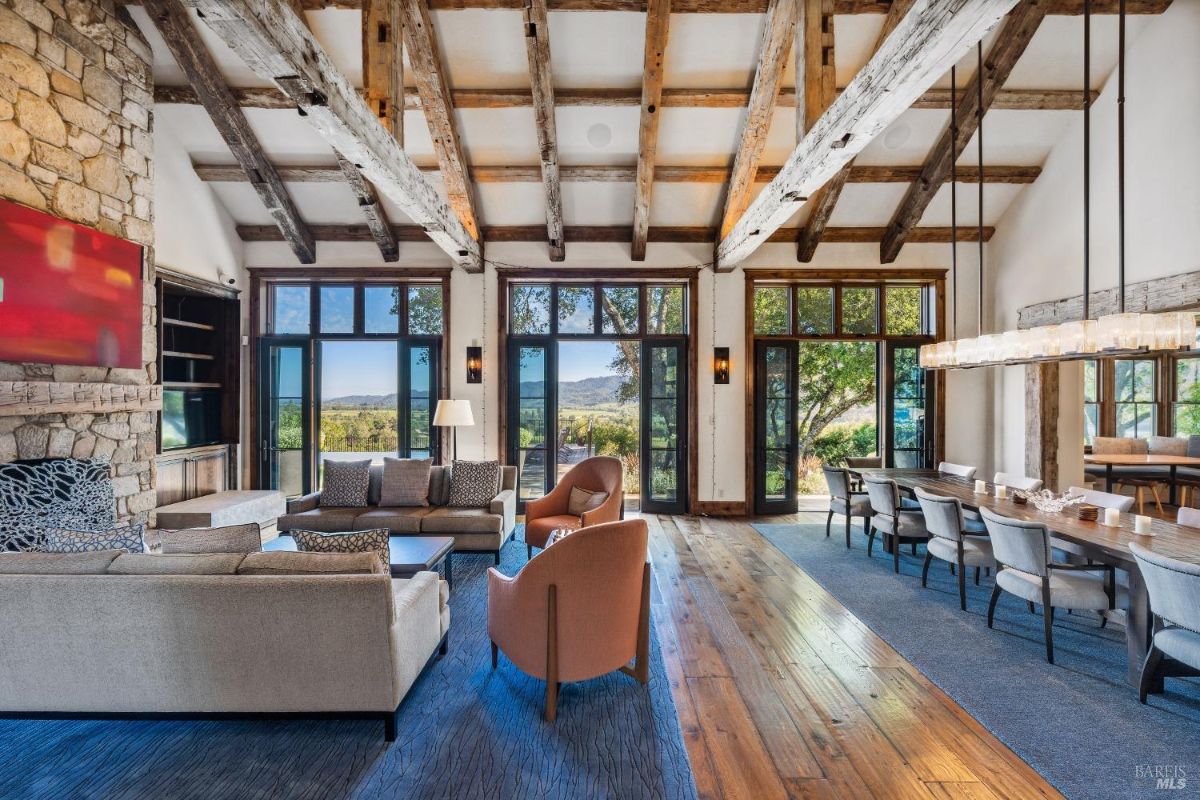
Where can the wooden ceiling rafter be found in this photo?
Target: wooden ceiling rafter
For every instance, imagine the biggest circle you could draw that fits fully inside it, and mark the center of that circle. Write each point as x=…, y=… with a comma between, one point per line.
x=1015, y=34
x=841, y=7
x=658, y=24
x=537, y=47
x=177, y=29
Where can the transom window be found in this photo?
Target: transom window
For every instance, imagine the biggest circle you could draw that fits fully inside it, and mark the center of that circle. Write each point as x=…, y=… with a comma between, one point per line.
x=841, y=311
x=603, y=310
x=354, y=309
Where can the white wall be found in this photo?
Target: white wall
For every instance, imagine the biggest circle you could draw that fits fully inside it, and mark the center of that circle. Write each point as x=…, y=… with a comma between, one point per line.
x=1037, y=252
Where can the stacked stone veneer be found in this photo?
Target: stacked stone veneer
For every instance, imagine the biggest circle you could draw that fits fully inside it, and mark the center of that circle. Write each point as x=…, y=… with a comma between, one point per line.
x=76, y=97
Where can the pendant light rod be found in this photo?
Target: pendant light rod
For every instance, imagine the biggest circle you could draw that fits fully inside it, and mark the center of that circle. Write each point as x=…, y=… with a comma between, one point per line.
x=1087, y=157
x=1121, y=159
x=979, y=149
x=954, y=203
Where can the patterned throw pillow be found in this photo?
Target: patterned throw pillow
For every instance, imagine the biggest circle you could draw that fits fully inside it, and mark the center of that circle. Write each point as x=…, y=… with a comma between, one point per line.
x=371, y=541
x=405, y=482
x=246, y=538
x=126, y=537
x=584, y=500
x=345, y=483
x=39, y=494
x=473, y=484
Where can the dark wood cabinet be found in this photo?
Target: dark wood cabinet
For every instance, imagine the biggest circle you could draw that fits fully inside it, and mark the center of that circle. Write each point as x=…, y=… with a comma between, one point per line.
x=195, y=472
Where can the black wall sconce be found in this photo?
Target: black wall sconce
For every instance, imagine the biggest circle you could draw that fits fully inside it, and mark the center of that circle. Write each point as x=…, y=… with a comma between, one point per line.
x=720, y=365
x=474, y=365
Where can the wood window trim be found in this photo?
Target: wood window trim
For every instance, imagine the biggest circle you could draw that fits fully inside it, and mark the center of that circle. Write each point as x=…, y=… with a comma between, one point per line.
x=261, y=278
x=688, y=277
x=935, y=279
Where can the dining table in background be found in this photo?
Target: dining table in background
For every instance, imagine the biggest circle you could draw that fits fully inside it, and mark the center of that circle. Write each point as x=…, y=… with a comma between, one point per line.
x=1095, y=540
x=1110, y=460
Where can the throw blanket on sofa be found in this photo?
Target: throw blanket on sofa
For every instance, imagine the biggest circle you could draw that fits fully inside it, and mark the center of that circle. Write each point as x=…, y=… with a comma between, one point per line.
x=53, y=493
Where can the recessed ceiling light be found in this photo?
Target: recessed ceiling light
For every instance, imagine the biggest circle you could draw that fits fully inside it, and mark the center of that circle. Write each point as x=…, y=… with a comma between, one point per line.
x=599, y=135
x=896, y=136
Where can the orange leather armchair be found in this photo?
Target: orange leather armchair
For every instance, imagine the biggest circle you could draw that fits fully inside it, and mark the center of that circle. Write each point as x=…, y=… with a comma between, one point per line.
x=578, y=610
x=596, y=474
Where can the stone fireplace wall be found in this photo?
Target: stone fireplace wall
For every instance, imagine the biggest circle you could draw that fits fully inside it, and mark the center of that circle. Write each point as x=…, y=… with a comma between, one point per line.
x=76, y=101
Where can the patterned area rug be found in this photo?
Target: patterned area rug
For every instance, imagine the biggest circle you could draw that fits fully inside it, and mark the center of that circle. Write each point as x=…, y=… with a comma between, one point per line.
x=465, y=732
x=1077, y=722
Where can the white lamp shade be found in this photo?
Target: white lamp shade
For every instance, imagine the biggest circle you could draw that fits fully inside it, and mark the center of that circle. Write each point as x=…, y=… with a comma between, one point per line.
x=452, y=413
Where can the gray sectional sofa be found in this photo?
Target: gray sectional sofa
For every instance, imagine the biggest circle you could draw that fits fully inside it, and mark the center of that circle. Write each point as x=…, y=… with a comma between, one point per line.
x=474, y=530
x=81, y=639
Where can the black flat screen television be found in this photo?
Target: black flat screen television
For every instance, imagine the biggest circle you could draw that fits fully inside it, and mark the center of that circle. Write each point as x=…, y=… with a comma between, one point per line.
x=190, y=417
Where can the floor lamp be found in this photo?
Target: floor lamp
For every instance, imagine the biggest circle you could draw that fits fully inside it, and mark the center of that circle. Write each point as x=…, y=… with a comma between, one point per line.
x=453, y=414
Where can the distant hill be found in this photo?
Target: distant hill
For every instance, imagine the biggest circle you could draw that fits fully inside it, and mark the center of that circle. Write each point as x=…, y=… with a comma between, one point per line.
x=574, y=394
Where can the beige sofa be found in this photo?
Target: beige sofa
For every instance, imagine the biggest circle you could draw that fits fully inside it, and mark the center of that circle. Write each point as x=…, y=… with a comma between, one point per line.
x=225, y=645
x=475, y=530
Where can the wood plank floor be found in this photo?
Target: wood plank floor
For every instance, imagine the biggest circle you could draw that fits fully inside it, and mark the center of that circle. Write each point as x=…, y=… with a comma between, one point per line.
x=781, y=692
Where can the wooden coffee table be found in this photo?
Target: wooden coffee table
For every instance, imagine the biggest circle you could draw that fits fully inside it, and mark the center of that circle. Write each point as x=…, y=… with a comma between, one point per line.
x=409, y=554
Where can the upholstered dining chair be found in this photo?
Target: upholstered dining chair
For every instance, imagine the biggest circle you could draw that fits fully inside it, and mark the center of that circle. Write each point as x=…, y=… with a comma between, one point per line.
x=1019, y=482
x=862, y=462
x=1174, y=589
x=577, y=610
x=898, y=524
x=960, y=470
x=1189, y=517
x=1024, y=568
x=1096, y=497
x=603, y=474
x=960, y=541
x=843, y=500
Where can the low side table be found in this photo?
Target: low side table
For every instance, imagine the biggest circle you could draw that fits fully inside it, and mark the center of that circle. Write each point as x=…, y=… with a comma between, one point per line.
x=409, y=554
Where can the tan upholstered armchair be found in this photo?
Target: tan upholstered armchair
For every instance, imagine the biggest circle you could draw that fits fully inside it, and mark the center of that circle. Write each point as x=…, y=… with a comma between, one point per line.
x=578, y=610
x=596, y=474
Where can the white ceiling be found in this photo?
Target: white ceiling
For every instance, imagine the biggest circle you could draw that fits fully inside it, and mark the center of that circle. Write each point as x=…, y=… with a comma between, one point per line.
x=486, y=49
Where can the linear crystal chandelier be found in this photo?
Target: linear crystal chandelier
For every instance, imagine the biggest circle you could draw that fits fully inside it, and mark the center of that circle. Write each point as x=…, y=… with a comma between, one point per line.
x=1114, y=334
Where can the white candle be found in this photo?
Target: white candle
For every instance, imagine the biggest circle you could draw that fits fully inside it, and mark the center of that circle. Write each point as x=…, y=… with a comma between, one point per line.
x=980, y=487
x=1142, y=525
x=1001, y=492
x=1112, y=517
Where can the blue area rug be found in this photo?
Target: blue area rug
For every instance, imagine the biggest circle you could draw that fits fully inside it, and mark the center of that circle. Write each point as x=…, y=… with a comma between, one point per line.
x=465, y=732
x=1077, y=722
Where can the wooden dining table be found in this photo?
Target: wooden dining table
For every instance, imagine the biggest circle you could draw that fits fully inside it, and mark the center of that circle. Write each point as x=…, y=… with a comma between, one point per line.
x=1110, y=460
x=1094, y=540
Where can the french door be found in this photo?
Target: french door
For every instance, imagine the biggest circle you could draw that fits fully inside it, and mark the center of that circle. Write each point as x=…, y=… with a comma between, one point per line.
x=532, y=437
x=909, y=409
x=285, y=423
x=664, y=426
x=775, y=427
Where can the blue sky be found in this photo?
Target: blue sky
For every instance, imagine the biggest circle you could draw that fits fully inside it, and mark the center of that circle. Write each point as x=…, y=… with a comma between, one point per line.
x=578, y=360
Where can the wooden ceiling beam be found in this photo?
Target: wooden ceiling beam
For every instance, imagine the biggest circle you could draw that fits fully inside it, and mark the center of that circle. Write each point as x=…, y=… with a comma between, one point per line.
x=609, y=233
x=274, y=42
x=1014, y=36
x=931, y=37
x=174, y=23
x=383, y=63
x=819, y=77
x=778, y=33
x=1064, y=7
x=368, y=202
x=658, y=23
x=424, y=58
x=606, y=173
x=934, y=99
x=537, y=48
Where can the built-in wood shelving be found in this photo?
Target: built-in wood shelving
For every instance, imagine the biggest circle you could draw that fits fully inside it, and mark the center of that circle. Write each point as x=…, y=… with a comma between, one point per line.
x=183, y=323
x=197, y=356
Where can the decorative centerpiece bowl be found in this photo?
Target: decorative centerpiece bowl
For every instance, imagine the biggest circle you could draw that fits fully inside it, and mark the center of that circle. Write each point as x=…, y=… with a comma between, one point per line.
x=1049, y=502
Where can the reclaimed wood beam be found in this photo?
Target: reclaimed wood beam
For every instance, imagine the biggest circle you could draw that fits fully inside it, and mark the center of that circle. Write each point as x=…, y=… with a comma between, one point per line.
x=1017, y=31
x=934, y=99
x=827, y=197
x=425, y=59
x=658, y=24
x=606, y=173
x=368, y=201
x=610, y=233
x=1065, y=7
x=931, y=37
x=775, y=45
x=272, y=40
x=175, y=25
x=537, y=48
x=383, y=63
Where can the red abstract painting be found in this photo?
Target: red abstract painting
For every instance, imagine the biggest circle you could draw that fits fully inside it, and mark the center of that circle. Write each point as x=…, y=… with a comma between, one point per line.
x=68, y=293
